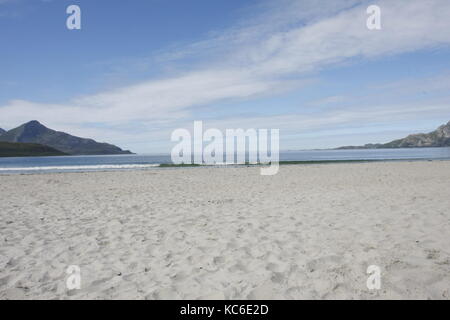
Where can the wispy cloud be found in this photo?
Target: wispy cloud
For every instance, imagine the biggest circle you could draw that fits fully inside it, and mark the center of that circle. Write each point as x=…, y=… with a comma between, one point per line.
x=270, y=53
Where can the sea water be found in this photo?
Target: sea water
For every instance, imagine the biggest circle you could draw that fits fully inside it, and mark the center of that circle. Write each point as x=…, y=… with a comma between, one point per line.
x=149, y=161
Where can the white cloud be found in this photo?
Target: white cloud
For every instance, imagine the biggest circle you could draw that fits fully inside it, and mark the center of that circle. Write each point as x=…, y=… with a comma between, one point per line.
x=257, y=57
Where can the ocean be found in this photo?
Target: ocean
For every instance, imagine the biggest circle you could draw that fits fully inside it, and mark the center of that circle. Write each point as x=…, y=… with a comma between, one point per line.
x=148, y=161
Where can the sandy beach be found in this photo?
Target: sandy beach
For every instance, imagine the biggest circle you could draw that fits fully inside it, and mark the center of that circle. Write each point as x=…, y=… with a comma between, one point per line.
x=309, y=232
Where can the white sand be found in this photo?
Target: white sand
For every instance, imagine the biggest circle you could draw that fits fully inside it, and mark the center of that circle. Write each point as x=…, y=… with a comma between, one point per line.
x=310, y=231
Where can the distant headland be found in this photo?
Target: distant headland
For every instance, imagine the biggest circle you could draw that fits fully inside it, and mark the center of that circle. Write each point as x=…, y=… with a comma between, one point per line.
x=35, y=139
x=437, y=138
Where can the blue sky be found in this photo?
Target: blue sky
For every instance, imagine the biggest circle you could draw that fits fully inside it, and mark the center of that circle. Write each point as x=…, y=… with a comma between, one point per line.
x=139, y=69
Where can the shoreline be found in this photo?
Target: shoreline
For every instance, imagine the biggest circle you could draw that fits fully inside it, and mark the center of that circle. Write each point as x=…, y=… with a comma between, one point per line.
x=133, y=168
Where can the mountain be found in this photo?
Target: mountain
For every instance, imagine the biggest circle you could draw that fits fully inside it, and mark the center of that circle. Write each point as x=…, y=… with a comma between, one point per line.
x=437, y=138
x=17, y=149
x=35, y=132
x=2, y=131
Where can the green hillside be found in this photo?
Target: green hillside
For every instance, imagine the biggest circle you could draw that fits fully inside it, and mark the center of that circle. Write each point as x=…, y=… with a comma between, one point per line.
x=15, y=149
